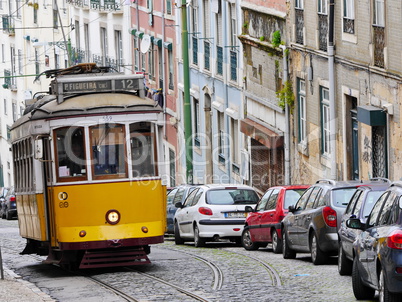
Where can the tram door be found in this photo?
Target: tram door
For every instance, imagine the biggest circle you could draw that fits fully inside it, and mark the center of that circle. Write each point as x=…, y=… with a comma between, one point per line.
x=48, y=190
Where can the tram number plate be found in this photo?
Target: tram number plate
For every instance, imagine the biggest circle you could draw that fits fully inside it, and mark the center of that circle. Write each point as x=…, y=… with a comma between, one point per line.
x=235, y=214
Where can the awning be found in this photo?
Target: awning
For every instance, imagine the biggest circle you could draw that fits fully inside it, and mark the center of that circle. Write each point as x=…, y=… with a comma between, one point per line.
x=139, y=34
x=167, y=45
x=371, y=115
x=157, y=42
x=262, y=134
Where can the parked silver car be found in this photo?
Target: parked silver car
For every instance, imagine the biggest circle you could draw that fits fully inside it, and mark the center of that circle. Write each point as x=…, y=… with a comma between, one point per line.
x=311, y=225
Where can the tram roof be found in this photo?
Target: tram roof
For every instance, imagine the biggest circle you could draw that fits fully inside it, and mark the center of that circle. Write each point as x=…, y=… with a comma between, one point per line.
x=87, y=104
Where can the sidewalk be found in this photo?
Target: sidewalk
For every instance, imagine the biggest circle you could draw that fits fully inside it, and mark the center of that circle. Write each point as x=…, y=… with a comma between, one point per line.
x=14, y=289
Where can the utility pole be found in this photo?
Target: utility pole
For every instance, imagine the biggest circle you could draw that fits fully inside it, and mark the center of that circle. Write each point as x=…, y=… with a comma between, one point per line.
x=186, y=102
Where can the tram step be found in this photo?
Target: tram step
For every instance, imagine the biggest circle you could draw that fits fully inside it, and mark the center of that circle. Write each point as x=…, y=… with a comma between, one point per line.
x=105, y=258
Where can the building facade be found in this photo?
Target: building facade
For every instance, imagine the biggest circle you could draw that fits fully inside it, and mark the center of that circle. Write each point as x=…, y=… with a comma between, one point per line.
x=362, y=117
x=153, y=38
x=216, y=81
x=33, y=40
x=265, y=123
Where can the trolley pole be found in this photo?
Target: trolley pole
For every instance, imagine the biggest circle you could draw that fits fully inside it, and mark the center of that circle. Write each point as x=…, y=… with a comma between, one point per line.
x=186, y=102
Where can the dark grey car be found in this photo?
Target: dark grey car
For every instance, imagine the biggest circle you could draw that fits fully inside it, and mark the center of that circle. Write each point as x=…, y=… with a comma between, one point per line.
x=359, y=207
x=177, y=194
x=311, y=225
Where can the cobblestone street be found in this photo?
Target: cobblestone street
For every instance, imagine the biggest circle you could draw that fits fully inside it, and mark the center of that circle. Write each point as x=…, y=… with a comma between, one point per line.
x=220, y=272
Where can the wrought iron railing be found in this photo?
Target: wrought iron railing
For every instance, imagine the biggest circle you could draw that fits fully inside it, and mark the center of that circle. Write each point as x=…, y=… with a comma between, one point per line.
x=8, y=25
x=348, y=26
x=195, y=50
x=322, y=32
x=207, y=55
x=379, y=44
x=233, y=65
x=171, y=86
x=7, y=78
x=219, y=60
x=299, y=26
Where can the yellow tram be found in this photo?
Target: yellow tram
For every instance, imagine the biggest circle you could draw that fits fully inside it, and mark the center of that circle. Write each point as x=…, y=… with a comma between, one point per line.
x=88, y=172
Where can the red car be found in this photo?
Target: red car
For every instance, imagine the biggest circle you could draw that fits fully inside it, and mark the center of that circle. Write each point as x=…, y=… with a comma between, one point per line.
x=263, y=223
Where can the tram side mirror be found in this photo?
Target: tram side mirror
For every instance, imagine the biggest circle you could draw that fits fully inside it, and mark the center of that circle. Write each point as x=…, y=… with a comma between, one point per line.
x=38, y=149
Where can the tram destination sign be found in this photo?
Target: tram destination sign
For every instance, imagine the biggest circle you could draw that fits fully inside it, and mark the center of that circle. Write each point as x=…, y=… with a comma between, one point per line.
x=100, y=86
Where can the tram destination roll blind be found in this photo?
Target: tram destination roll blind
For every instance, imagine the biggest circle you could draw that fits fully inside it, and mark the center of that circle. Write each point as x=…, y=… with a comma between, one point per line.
x=94, y=86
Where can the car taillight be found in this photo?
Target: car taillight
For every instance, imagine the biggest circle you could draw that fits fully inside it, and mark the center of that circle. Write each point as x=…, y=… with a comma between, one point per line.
x=205, y=211
x=394, y=240
x=329, y=216
x=12, y=198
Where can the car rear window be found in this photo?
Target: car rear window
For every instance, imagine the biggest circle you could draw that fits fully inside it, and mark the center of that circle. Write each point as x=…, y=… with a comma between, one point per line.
x=341, y=197
x=232, y=196
x=292, y=196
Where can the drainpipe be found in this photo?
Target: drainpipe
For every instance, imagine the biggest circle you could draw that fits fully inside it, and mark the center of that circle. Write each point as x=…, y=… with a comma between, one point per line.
x=331, y=72
x=164, y=69
x=287, y=118
x=186, y=102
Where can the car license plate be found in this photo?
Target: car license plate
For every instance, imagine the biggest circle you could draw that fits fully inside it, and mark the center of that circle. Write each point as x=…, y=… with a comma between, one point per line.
x=235, y=214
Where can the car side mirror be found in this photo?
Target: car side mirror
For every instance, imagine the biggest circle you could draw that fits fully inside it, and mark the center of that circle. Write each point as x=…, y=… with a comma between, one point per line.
x=248, y=209
x=178, y=205
x=292, y=209
x=354, y=223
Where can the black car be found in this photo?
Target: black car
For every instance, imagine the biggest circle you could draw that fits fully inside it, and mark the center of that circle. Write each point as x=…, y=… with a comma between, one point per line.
x=377, y=264
x=312, y=224
x=359, y=207
x=9, y=206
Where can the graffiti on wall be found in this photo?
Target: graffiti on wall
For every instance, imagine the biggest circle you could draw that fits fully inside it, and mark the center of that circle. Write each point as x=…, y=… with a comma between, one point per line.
x=367, y=150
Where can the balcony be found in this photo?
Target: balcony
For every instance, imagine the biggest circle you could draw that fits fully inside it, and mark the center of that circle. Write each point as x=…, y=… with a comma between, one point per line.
x=379, y=44
x=219, y=55
x=195, y=50
x=207, y=55
x=348, y=26
x=105, y=5
x=233, y=65
x=299, y=26
x=322, y=32
x=8, y=25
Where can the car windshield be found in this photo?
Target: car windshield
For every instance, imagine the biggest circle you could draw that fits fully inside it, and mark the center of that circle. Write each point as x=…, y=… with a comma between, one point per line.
x=341, y=197
x=371, y=199
x=292, y=196
x=232, y=196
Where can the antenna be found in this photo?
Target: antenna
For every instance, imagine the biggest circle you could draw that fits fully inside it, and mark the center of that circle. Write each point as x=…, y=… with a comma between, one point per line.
x=145, y=43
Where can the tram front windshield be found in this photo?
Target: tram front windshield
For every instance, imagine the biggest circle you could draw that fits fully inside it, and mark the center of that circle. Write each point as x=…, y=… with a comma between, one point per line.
x=107, y=152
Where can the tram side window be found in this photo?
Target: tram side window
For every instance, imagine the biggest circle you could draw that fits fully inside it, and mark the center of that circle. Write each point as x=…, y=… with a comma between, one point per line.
x=70, y=148
x=142, y=149
x=108, y=152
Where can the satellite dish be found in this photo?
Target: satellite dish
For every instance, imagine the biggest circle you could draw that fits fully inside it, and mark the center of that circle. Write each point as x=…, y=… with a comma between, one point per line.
x=145, y=43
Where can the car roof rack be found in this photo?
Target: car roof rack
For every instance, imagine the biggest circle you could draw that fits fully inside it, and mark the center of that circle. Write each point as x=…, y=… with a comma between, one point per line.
x=328, y=181
x=384, y=179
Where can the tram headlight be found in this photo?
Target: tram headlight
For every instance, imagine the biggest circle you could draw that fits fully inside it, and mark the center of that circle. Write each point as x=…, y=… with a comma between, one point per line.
x=113, y=216
x=144, y=229
x=82, y=233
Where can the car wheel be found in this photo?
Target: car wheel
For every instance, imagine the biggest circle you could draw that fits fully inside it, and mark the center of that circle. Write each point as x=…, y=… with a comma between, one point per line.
x=344, y=264
x=317, y=255
x=276, y=242
x=383, y=294
x=287, y=252
x=8, y=215
x=246, y=241
x=360, y=290
x=198, y=241
x=177, y=238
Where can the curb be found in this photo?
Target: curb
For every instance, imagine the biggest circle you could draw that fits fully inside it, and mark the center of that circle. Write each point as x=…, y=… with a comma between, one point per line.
x=36, y=290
